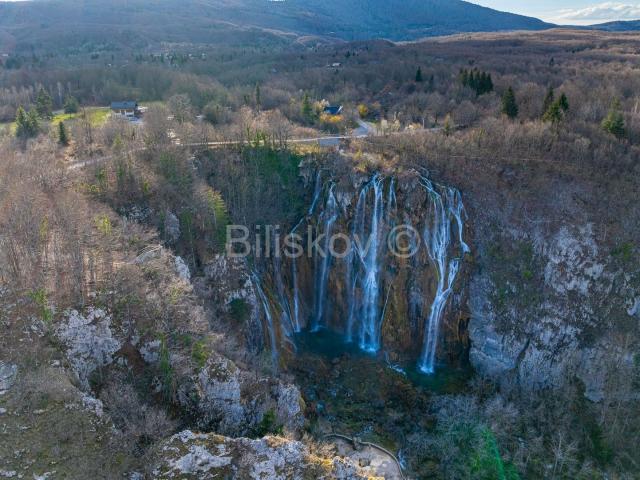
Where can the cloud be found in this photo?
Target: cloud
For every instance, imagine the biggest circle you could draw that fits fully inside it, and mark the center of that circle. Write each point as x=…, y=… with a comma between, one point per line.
x=599, y=13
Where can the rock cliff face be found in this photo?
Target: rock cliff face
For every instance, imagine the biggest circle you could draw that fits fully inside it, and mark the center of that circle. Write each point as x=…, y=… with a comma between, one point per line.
x=230, y=401
x=189, y=455
x=555, y=282
x=384, y=264
x=575, y=320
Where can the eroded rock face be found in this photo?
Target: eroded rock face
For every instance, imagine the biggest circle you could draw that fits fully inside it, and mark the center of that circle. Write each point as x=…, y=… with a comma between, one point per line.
x=189, y=455
x=182, y=269
x=234, y=402
x=560, y=325
x=171, y=227
x=89, y=341
x=8, y=373
x=228, y=280
x=218, y=388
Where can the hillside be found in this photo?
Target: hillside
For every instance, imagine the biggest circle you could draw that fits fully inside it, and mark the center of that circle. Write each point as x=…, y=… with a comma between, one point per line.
x=137, y=22
x=619, y=26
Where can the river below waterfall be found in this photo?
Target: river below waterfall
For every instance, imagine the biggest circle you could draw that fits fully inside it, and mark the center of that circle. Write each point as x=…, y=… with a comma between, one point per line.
x=358, y=394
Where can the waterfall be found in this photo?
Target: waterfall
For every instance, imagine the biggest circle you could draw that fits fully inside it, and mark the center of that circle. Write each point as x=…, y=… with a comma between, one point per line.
x=295, y=315
x=286, y=317
x=316, y=192
x=296, y=296
x=367, y=262
x=267, y=313
x=367, y=290
x=328, y=218
x=352, y=269
x=392, y=203
x=446, y=203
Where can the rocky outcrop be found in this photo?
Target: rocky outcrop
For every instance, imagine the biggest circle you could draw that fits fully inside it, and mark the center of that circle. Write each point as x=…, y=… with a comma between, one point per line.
x=171, y=227
x=227, y=283
x=559, y=317
x=234, y=402
x=89, y=341
x=8, y=373
x=188, y=455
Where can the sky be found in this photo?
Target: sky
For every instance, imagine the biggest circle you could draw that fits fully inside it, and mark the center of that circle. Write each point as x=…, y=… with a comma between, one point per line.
x=574, y=12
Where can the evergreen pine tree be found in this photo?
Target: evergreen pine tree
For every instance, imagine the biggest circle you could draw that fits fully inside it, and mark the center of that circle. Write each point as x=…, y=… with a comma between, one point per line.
x=483, y=84
x=26, y=124
x=258, y=96
x=431, y=83
x=548, y=101
x=33, y=122
x=489, y=83
x=63, y=137
x=21, y=123
x=554, y=113
x=44, y=104
x=71, y=105
x=419, y=75
x=509, y=105
x=563, y=102
x=614, y=121
x=464, y=77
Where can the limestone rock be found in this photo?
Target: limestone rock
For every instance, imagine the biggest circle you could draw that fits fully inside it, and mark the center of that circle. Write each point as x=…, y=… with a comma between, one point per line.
x=182, y=269
x=8, y=373
x=219, y=391
x=171, y=227
x=566, y=335
x=89, y=341
x=233, y=402
x=188, y=455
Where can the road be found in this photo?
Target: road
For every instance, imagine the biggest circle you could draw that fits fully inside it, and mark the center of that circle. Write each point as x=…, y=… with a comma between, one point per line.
x=364, y=130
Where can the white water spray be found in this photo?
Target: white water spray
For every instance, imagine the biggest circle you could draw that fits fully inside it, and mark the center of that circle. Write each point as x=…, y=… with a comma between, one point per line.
x=267, y=313
x=446, y=204
x=328, y=218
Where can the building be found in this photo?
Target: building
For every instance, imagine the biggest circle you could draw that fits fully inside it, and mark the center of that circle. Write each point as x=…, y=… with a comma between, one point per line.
x=333, y=109
x=129, y=109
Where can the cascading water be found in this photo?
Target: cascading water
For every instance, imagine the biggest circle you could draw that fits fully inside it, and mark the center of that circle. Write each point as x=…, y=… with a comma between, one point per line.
x=366, y=268
x=446, y=203
x=317, y=189
x=286, y=317
x=267, y=313
x=296, y=296
x=368, y=291
x=323, y=259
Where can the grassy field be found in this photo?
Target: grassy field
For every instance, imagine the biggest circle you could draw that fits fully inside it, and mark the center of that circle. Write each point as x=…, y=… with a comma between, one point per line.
x=98, y=116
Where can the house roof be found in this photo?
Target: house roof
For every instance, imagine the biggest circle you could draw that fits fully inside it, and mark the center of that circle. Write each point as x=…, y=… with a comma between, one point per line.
x=333, y=109
x=126, y=105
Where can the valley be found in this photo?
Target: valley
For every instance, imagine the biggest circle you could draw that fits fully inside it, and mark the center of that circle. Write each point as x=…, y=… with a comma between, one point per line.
x=476, y=316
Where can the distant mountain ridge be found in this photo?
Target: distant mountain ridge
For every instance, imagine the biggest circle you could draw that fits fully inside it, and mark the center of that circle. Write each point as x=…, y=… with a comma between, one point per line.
x=195, y=20
x=616, y=26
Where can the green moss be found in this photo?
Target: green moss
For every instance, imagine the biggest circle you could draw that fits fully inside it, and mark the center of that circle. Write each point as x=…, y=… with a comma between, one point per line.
x=624, y=252
x=486, y=462
x=280, y=166
x=239, y=310
x=40, y=298
x=200, y=353
x=166, y=370
x=268, y=425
